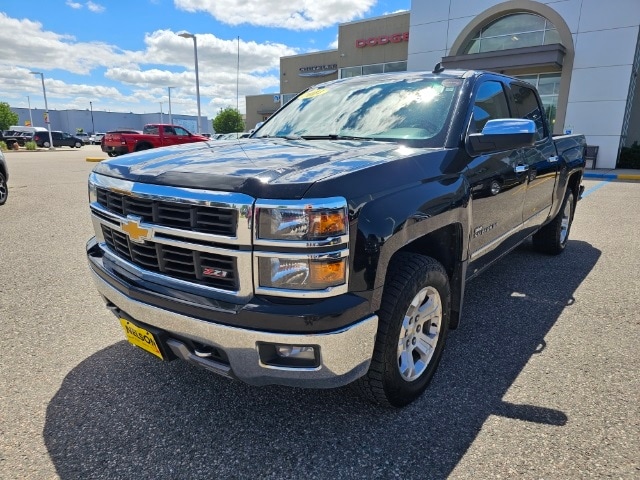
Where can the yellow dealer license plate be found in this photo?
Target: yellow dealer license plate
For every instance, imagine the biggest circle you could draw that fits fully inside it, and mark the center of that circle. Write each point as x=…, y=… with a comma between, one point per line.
x=140, y=338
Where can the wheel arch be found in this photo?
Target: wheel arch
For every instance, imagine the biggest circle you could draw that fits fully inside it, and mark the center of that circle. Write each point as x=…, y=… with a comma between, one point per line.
x=143, y=146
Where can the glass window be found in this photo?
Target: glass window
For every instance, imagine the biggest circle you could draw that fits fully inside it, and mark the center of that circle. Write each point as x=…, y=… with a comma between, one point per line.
x=413, y=109
x=548, y=85
x=181, y=131
x=371, y=69
x=527, y=107
x=350, y=72
x=395, y=67
x=490, y=104
x=513, y=31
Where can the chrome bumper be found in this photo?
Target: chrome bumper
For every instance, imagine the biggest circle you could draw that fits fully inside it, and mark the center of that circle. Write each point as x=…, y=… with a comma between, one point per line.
x=344, y=354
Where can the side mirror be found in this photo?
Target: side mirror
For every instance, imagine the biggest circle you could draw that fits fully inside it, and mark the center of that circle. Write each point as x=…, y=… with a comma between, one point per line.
x=503, y=134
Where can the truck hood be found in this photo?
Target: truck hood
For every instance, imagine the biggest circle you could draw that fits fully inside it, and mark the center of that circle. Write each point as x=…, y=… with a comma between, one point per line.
x=251, y=166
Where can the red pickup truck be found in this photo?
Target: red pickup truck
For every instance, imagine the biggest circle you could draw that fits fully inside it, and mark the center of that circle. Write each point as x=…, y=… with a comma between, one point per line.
x=153, y=136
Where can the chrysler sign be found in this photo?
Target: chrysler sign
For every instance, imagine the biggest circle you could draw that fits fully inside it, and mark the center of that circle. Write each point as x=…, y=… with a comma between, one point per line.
x=318, y=70
x=382, y=40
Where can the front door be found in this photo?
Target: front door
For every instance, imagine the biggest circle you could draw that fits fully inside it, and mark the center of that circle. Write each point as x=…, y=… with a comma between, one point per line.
x=498, y=185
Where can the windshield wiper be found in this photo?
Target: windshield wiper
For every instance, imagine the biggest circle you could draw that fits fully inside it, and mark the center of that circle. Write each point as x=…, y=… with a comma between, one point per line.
x=334, y=136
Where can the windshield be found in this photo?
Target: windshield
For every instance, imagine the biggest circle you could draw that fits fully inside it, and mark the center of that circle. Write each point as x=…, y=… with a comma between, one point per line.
x=386, y=108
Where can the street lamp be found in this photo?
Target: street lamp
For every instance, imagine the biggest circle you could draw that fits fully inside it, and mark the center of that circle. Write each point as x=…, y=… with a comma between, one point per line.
x=195, y=53
x=46, y=108
x=170, y=117
x=30, y=117
x=161, y=118
x=93, y=127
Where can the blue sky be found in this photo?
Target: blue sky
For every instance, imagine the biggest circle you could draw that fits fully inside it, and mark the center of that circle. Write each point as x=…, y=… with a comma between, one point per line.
x=122, y=55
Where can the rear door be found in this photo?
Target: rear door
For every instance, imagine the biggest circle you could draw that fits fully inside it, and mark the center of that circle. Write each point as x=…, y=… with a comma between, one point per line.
x=541, y=160
x=497, y=181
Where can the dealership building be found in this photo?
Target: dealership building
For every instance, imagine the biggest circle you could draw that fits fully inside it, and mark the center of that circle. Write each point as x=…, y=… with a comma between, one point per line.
x=582, y=55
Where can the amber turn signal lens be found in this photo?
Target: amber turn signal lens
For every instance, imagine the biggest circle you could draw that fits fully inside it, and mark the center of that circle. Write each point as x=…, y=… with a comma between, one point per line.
x=328, y=273
x=325, y=224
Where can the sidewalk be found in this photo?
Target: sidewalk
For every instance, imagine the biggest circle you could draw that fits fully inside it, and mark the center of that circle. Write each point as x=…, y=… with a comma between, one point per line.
x=617, y=174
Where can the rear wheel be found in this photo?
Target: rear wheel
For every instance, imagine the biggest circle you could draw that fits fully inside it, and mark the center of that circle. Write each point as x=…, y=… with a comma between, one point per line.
x=553, y=237
x=46, y=144
x=112, y=154
x=413, y=324
x=78, y=144
x=143, y=146
x=4, y=189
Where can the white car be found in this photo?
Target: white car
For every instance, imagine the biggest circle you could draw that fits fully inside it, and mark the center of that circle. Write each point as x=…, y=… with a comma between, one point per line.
x=96, y=138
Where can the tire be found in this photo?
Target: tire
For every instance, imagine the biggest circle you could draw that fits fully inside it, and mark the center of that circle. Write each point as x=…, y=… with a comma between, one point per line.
x=46, y=144
x=143, y=146
x=416, y=293
x=553, y=237
x=112, y=154
x=78, y=144
x=4, y=189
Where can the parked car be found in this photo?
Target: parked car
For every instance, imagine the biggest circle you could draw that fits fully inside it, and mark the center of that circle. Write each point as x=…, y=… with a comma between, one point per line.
x=4, y=178
x=85, y=137
x=96, y=138
x=60, y=139
x=8, y=137
x=104, y=136
x=153, y=135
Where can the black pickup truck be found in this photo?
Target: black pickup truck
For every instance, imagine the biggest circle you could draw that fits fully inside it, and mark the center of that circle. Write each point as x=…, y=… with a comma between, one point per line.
x=333, y=246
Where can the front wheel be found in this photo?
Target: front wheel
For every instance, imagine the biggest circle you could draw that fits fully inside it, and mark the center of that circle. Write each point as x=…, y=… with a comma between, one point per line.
x=553, y=237
x=412, y=329
x=4, y=189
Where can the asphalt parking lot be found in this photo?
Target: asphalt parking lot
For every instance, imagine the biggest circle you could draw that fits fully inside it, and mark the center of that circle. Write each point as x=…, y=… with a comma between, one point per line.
x=541, y=380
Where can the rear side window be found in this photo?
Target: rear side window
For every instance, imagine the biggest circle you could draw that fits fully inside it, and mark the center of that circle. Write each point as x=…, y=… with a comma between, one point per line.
x=527, y=107
x=490, y=103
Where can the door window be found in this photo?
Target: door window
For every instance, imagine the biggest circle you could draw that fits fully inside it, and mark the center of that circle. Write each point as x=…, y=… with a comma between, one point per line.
x=527, y=106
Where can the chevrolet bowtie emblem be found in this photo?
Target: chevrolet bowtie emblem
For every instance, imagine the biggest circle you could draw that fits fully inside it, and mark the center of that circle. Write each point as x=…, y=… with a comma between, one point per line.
x=136, y=233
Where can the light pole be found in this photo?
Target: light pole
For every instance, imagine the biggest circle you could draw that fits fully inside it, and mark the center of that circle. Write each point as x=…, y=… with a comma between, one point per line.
x=46, y=108
x=170, y=117
x=195, y=54
x=30, y=117
x=93, y=127
x=161, y=117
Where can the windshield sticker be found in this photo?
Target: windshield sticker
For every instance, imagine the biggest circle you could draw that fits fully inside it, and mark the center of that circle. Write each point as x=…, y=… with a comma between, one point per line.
x=313, y=93
x=452, y=82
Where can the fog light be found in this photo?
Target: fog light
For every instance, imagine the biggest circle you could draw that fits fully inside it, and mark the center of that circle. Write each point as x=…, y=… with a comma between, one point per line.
x=289, y=356
x=291, y=351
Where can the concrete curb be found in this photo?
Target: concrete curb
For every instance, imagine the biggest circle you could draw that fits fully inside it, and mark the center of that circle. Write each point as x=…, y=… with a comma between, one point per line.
x=95, y=159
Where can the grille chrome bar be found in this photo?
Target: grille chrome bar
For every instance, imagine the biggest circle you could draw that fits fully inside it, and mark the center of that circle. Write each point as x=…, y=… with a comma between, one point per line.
x=187, y=232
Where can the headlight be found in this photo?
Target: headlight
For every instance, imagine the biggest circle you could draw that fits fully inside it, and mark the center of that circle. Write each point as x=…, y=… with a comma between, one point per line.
x=308, y=220
x=309, y=273
x=93, y=193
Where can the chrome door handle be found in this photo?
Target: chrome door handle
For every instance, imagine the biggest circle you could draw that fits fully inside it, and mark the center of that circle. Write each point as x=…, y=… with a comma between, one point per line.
x=521, y=168
x=553, y=159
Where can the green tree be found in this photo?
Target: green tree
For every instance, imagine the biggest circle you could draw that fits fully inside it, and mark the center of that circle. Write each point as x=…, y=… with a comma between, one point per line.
x=7, y=116
x=228, y=120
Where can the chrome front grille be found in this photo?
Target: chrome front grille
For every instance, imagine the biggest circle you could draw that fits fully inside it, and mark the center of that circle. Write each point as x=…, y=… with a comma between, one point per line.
x=192, y=265
x=180, y=236
x=197, y=218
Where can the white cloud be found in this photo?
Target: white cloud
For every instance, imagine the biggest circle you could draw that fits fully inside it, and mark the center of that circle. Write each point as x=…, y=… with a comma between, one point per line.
x=74, y=5
x=137, y=79
x=294, y=15
x=95, y=7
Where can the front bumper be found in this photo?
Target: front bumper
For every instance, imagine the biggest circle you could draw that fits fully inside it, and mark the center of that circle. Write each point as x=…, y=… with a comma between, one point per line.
x=344, y=353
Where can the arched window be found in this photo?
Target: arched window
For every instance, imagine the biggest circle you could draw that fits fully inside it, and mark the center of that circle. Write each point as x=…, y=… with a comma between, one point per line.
x=513, y=31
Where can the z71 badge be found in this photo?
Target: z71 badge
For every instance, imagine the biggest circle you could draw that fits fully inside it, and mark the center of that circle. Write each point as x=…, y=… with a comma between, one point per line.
x=214, y=272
